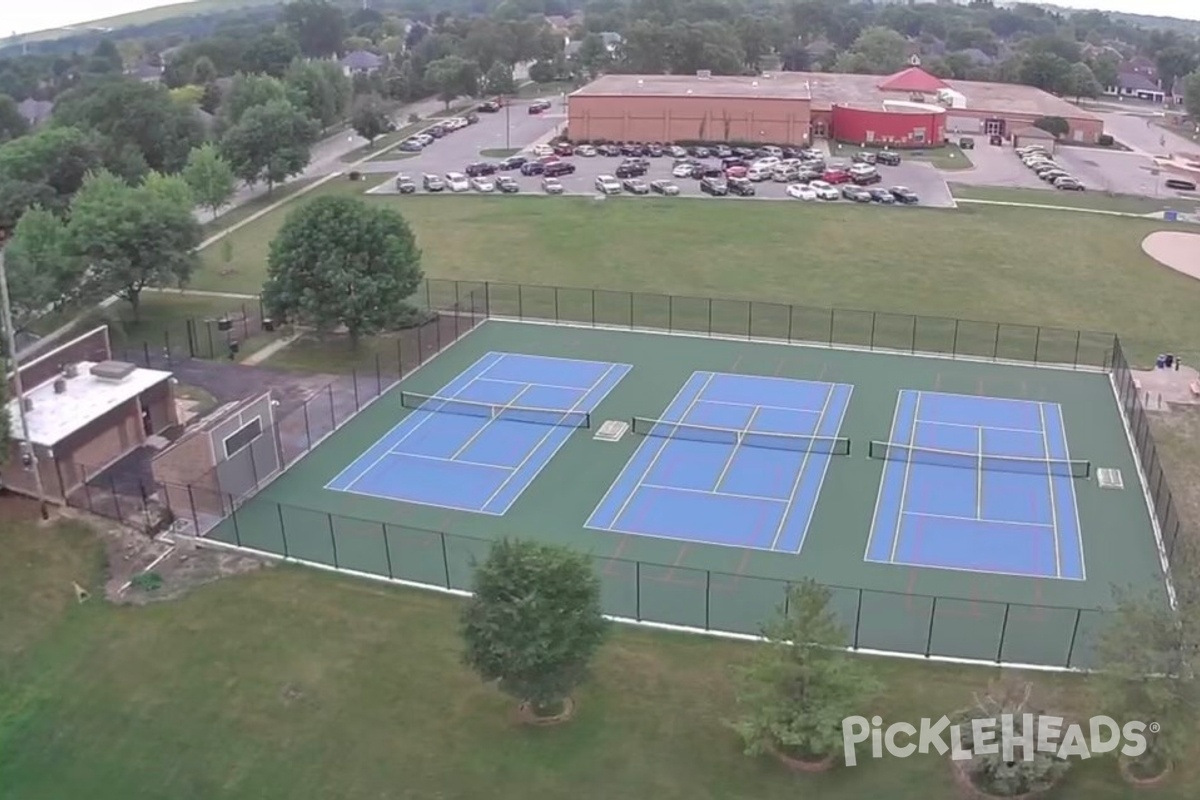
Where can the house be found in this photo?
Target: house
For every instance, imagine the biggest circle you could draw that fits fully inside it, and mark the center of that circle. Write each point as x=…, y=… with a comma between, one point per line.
x=1136, y=86
x=612, y=40
x=35, y=112
x=361, y=62
x=146, y=72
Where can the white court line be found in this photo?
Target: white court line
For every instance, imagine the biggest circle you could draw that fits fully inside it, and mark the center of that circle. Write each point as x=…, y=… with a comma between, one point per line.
x=761, y=405
x=907, y=473
x=1050, y=480
x=973, y=571
x=830, y=390
x=737, y=445
x=664, y=441
x=489, y=423
x=979, y=477
x=1062, y=426
x=539, y=383
x=419, y=423
x=450, y=460
x=737, y=495
x=812, y=509
x=969, y=425
x=882, y=480
x=974, y=519
x=553, y=429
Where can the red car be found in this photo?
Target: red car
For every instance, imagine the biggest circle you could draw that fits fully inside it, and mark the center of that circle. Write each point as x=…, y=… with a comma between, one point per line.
x=735, y=172
x=835, y=176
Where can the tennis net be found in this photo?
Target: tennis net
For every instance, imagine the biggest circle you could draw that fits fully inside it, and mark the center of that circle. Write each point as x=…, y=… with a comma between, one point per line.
x=893, y=451
x=498, y=411
x=824, y=445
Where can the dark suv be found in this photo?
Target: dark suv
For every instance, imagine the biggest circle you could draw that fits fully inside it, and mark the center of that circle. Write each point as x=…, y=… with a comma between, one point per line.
x=480, y=168
x=631, y=169
x=740, y=186
x=556, y=168
x=717, y=187
x=889, y=158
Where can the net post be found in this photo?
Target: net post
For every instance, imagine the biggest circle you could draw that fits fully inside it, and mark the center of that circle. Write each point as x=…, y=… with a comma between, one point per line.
x=637, y=590
x=445, y=559
x=1003, y=633
x=282, y=528
x=929, y=634
x=707, y=599
x=387, y=548
x=332, y=540
x=1074, y=633
x=858, y=617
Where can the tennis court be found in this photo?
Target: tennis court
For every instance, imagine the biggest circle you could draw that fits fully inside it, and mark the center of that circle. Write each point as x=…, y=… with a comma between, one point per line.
x=483, y=438
x=734, y=460
x=981, y=484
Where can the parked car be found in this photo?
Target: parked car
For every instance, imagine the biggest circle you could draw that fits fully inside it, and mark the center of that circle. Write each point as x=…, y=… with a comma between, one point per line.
x=586, y=151
x=786, y=173
x=635, y=186
x=563, y=149
x=655, y=150
x=477, y=168
x=717, y=187
x=801, y=191
x=667, y=188
x=411, y=146
x=825, y=191
x=675, y=151
x=507, y=185
x=457, y=182
x=682, y=170
x=433, y=183
x=512, y=162
x=881, y=195
x=888, y=158
x=607, y=184
x=835, y=176
x=759, y=173
x=856, y=193
x=1068, y=184
x=552, y=186
x=556, y=168
x=489, y=106
x=742, y=187
x=866, y=178
x=1180, y=184
x=630, y=169
x=543, y=150
x=405, y=185
x=609, y=150
x=865, y=157
x=966, y=143
x=904, y=195
x=483, y=184
x=532, y=168
x=538, y=106
x=736, y=171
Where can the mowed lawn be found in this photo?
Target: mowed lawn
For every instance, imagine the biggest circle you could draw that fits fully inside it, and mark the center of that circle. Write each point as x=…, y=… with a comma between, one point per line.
x=1016, y=265
x=299, y=685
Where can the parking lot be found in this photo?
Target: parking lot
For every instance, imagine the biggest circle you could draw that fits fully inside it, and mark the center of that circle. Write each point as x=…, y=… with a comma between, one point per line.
x=522, y=131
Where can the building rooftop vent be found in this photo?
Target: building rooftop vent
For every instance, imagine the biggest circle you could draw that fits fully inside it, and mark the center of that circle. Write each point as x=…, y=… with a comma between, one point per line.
x=641, y=82
x=703, y=74
x=754, y=84
x=113, y=371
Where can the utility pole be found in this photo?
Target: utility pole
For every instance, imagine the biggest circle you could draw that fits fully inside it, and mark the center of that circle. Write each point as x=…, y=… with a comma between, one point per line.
x=11, y=341
x=507, y=123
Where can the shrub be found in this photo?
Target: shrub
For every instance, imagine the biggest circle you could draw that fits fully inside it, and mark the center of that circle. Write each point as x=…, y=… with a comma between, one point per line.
x=147, y=582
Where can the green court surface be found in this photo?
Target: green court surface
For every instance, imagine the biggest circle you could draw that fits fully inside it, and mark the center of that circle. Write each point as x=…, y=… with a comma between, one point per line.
x=885, y=606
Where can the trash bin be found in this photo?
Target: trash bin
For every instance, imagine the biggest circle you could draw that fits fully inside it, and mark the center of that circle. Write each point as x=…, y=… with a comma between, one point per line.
x=1170, y=215
x=1160, y=362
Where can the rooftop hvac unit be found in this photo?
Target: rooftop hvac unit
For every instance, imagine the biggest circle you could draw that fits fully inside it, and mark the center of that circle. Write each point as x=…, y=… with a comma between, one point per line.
x=60, y=385
x=704, y=74
x=70, y=370
x=112, y=371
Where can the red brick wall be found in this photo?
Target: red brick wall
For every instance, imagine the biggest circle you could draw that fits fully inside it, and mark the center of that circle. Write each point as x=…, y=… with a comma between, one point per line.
x=684, y=119
x=899, y=129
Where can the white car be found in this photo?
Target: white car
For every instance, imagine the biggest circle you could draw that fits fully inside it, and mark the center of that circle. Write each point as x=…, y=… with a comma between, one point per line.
x=483, y=184
x=801, y=191
x=682, y=171
x=824, y=190
x=607, y=184
x=457, y=122
x=585, y=150
x=543, y=150
x=424, y=138
x=457, y=182
x=767, y=162
x=862, y=171
x=785, y=173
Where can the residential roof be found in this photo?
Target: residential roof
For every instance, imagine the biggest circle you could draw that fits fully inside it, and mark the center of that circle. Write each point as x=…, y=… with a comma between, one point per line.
x=362, y=59
x=1031, y=132
x=913, y=79
x=57, y=415
x=1137, y=82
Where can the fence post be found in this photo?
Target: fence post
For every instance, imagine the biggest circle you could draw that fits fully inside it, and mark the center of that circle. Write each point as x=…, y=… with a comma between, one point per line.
x=253, y=465
x=307, y=429
x=437, y=331
x=354, y=379
x=333, y=540
x=637, y=590
x=1078, y=336
x=191, y=505
x=245, y=324
x=996, y=343
x=631, y=325
x=487, y=299
x=1074, y=633
x=954, y=345
x=212, y=349
x=791, y=313
x=1037, y=344
x=707, y=599
x=874, y=315
x=929, y=635
x=592, y=294
x=387, y=548
x=710, y=302
x=670, y=312
x=112, y=488
x=556, y=304
x=428, y=301
x=146, y=349
x=332, y=415
x=520, y=301
x=858, y=618
x=1003, y=632
x=282, y=528
x=830, y=341
x=912, y=344
x=445, y=559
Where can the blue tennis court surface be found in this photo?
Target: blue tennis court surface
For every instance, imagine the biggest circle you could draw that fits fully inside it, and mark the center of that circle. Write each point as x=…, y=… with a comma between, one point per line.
x=734, y=460
x=989, y=487
x=486, y=435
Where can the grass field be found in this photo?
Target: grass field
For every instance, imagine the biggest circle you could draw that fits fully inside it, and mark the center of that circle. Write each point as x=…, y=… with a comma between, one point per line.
x=970, y=263
x=295, y=684
x=1099, y=201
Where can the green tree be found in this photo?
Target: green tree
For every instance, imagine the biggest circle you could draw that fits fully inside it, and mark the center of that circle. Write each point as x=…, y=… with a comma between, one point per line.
x=134, y=237
x=210, y=177
x=370, y=119
x=877, y=51
x=319, y=27
x=1173, y=63
x=592, y=58
x=270, y=143
x=12, y=124
x=320, y=89
x=203, y=71
x=1081, y=82
x=44, y=168
x=270, y=54
x=41, y=274
x=801, y=684
x=1047, y=71
x=250, y=91
x=1055, y=125
x=1191, y=95
x=499, y=80
x=450, y=77
x=534, y=622
x=339, y=262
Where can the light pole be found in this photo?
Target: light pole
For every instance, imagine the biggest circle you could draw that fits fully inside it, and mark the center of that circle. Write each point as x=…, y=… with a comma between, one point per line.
x=507, y=124
x=11, y=342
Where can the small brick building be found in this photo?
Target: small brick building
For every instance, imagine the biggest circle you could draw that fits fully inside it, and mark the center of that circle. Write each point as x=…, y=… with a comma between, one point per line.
x=84, y=412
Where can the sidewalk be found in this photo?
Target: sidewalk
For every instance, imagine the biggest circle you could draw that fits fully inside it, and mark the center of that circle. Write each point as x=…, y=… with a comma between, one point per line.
x=326, y=156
